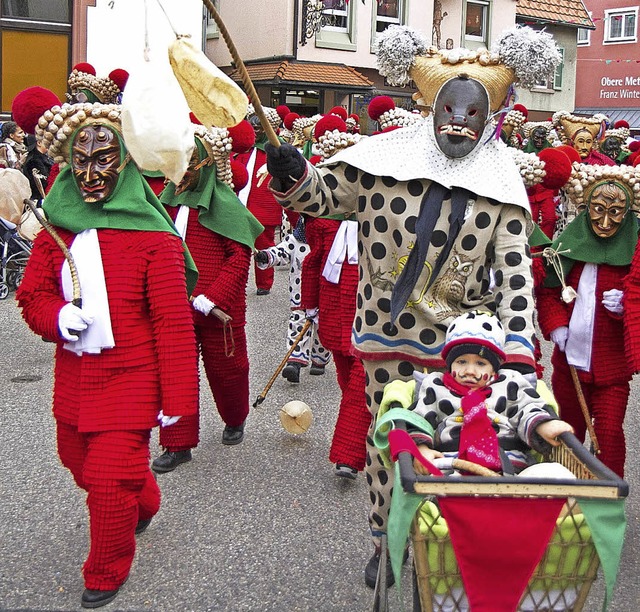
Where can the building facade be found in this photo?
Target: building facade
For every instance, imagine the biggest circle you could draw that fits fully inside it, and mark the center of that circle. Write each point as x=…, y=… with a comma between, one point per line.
x=608, y=68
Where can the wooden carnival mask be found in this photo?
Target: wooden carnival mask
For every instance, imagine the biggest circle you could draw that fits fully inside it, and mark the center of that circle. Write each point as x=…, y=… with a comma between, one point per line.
x=608, y=206
x=95, y=161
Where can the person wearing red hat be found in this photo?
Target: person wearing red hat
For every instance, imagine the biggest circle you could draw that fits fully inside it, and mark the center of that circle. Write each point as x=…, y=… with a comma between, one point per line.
x=260, y=202
x=125, y=349
x=220, y=234
x=27, y=107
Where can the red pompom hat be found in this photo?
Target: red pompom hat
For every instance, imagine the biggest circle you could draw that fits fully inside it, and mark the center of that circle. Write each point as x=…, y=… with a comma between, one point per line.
x=521, y=108
x=329, y=123
x=30, y=104
x=243, y=137
x=570, y=152
x=557, y=167
x=283, y=110
x=380, y=105
x=239, y=175
x=119, y=77
x=340, y=111
x=289, y=119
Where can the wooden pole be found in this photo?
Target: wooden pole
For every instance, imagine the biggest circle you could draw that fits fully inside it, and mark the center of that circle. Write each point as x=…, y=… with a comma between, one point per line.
x=279, y=369
x=585, y=409
x=244, y=75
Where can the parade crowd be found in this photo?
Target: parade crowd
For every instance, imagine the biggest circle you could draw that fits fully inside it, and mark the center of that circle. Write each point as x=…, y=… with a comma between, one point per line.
x=423, y=258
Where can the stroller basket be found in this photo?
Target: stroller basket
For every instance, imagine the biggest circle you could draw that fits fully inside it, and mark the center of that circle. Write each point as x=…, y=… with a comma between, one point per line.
x=562, y=579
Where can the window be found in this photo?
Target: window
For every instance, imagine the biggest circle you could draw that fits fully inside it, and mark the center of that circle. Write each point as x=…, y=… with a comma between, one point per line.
x=388, y=13
x=335, y=16
x=584, y=37
x=43, y=29
x=211, y=27
x=476, y=22
x=338, y=25
x=56, y=11
x=620, y=25
x=557, y=77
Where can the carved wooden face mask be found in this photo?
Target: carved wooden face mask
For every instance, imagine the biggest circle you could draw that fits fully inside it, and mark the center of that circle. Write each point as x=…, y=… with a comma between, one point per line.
x=583, y=142
x=538, y=136
x=611, y=147
x=95, y=162
x=607, y=209
x=461, y=109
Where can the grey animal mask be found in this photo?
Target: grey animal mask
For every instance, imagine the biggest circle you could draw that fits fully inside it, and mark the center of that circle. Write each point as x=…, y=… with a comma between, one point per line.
x=461, y=110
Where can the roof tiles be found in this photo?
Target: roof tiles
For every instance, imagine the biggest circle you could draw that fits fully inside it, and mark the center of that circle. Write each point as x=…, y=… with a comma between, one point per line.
x=567, y=12
x=337, y=75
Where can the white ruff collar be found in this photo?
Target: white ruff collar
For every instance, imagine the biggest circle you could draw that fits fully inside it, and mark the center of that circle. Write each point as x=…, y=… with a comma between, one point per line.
x=412, y=153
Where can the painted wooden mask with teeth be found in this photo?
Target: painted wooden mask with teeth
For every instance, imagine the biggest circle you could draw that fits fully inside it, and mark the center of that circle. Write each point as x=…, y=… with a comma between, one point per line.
x=461, y=110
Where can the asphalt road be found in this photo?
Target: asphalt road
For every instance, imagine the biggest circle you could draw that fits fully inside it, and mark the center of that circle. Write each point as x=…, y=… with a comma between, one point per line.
x=263, y=526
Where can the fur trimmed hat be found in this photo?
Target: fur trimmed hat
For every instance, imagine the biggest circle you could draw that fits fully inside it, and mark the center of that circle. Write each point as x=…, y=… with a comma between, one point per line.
x=479, y=333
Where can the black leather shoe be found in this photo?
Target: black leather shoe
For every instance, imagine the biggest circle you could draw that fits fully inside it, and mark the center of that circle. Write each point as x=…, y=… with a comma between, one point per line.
x=263, y=292
x=233, y=435
x=316, y=370
x=142, y=525
x=292, y=372
x=95, y=599
x=371, y=570
x=170, y=460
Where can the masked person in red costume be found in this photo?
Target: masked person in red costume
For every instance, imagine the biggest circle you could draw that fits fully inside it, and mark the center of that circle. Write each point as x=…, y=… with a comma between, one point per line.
x=126, y=358
x=220, y=234
x=259, y=200
x=583, y=307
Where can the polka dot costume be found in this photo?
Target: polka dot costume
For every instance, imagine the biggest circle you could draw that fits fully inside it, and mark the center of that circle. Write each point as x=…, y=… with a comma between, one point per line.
x=493, y=239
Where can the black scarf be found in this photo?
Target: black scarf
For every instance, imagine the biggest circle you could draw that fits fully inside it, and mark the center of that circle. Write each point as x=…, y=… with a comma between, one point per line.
x=430, y=209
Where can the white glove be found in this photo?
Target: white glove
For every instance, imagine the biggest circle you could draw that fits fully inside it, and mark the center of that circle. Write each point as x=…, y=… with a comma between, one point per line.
x=165, y=421
x=72, y=319
x=612, y=301
x=312, y=313
x=203, y=304
x=559, y=337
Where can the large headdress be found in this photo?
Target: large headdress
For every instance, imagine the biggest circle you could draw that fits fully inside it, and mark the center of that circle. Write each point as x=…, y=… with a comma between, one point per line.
x=58, y=124
x=568, y=125
x=585, y=178
x=271, y=113
x=383, y=110
x=521, y=55
x=85, y=86
x=332, y=135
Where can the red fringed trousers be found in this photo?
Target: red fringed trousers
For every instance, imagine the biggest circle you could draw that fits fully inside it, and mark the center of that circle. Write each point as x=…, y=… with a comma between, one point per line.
x=607, y=404
x=228, y=379
x=113, y=468
x=350, y=435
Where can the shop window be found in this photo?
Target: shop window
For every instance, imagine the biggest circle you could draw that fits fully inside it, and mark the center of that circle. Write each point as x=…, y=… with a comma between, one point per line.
x=620, y=25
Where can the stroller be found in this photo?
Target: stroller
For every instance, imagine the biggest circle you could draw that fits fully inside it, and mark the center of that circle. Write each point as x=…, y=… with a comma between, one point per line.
x=15, y=254
x=593, y=512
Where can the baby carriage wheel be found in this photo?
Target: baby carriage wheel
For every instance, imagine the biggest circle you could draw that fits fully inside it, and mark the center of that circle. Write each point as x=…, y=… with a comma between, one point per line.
x=4, y=291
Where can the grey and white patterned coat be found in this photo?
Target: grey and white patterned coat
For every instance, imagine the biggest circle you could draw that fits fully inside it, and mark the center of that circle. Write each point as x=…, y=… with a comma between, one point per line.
x=493, y=238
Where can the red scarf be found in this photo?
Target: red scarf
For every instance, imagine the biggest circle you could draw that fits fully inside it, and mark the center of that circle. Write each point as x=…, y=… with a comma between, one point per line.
x=478, y=439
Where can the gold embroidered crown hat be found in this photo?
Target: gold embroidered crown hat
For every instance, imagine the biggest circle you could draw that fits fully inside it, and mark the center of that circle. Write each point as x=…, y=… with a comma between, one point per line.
x=521, y=56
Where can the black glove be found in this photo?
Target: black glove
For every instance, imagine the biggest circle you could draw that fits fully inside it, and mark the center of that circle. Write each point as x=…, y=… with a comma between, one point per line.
x=285, y=162
x=261, y=257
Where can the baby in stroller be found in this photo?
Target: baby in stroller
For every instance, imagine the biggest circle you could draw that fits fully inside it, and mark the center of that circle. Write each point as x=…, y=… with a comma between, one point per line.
x=477, y=413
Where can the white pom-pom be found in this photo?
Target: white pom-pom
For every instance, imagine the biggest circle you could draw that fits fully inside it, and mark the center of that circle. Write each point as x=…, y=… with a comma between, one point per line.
x=396, y=49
